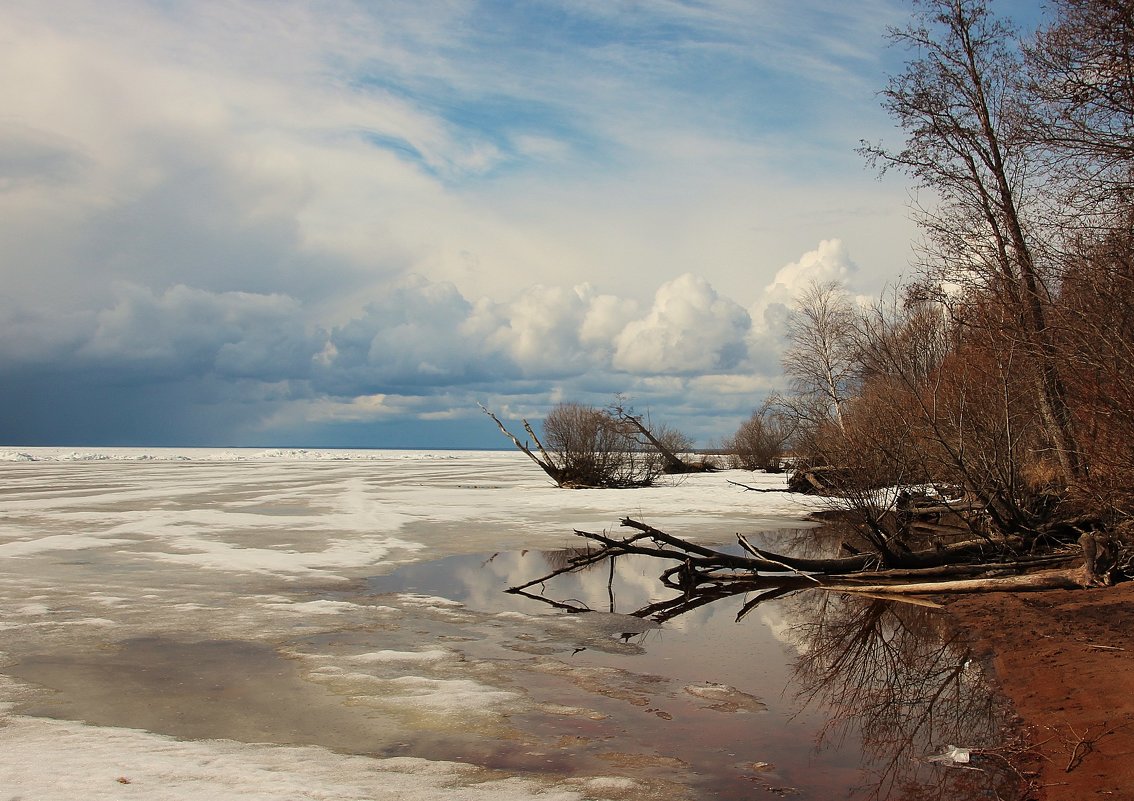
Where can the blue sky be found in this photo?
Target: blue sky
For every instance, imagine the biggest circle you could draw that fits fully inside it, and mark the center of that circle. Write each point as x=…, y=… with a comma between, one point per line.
x=345, y=223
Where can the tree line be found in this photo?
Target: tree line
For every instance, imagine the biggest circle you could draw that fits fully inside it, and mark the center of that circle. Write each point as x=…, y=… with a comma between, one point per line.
x=1005, y=369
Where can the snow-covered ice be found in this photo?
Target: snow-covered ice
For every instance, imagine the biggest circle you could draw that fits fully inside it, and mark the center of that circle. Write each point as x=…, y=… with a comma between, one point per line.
x=192, y=624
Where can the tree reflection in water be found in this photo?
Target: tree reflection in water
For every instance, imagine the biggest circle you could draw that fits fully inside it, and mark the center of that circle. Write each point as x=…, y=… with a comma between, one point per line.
x=897, y=673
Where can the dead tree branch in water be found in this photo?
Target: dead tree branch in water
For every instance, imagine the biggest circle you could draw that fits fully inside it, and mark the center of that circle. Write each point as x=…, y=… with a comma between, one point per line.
x=702, y=574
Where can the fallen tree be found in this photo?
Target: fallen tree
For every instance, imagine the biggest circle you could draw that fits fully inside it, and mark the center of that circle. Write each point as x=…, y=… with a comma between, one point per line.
x=665, y=441
x=701, y=574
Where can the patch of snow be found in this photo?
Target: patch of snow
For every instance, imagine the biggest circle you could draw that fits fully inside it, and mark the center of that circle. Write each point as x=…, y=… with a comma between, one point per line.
x=725, y=698
x=16, y=456
x=57, y=542
x=315, y=607
x=415, y=599
x=228, y=557
x=60, y=761
x=447, y=695
x=436, y=655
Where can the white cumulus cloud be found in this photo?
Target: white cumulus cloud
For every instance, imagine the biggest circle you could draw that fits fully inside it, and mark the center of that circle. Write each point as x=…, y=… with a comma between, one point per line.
x=689, y=329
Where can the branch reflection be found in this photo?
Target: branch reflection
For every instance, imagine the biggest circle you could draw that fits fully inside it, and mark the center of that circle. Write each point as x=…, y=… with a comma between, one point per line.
x=896, y=675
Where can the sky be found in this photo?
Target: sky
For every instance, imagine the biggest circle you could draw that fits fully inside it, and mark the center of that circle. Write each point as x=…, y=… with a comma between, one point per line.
x=348, y=222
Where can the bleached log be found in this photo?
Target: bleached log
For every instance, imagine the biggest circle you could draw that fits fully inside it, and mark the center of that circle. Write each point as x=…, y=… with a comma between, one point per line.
x=1042, y=580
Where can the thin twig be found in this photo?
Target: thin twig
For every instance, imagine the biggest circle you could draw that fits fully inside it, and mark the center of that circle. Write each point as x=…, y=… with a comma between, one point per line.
x=758, y=489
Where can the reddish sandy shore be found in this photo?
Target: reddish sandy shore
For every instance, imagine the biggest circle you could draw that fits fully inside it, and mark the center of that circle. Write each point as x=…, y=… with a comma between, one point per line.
x=1065, y=659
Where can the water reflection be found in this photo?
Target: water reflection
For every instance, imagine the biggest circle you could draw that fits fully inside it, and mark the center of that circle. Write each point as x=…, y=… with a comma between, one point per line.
x=892, y=681
x=900, y=674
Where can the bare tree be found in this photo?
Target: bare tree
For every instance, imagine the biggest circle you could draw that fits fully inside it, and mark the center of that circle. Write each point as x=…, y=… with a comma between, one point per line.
x=1081, y=76
x=1097, y=321
x=670, y=444
x=1081, y=71
x=949, y=411
x=819, y=360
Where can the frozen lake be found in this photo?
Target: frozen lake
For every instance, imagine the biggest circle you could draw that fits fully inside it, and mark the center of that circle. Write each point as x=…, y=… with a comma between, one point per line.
x=202, y=624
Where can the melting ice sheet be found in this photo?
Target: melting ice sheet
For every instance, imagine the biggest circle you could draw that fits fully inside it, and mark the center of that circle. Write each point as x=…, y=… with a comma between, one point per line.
x=297, y=624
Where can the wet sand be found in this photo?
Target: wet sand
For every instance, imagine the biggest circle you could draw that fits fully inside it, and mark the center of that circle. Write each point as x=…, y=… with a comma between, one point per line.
x=1065, y=660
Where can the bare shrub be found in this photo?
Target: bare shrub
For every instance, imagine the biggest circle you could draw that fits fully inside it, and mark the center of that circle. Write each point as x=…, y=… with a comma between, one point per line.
x=761, y=441
x=591, y=447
